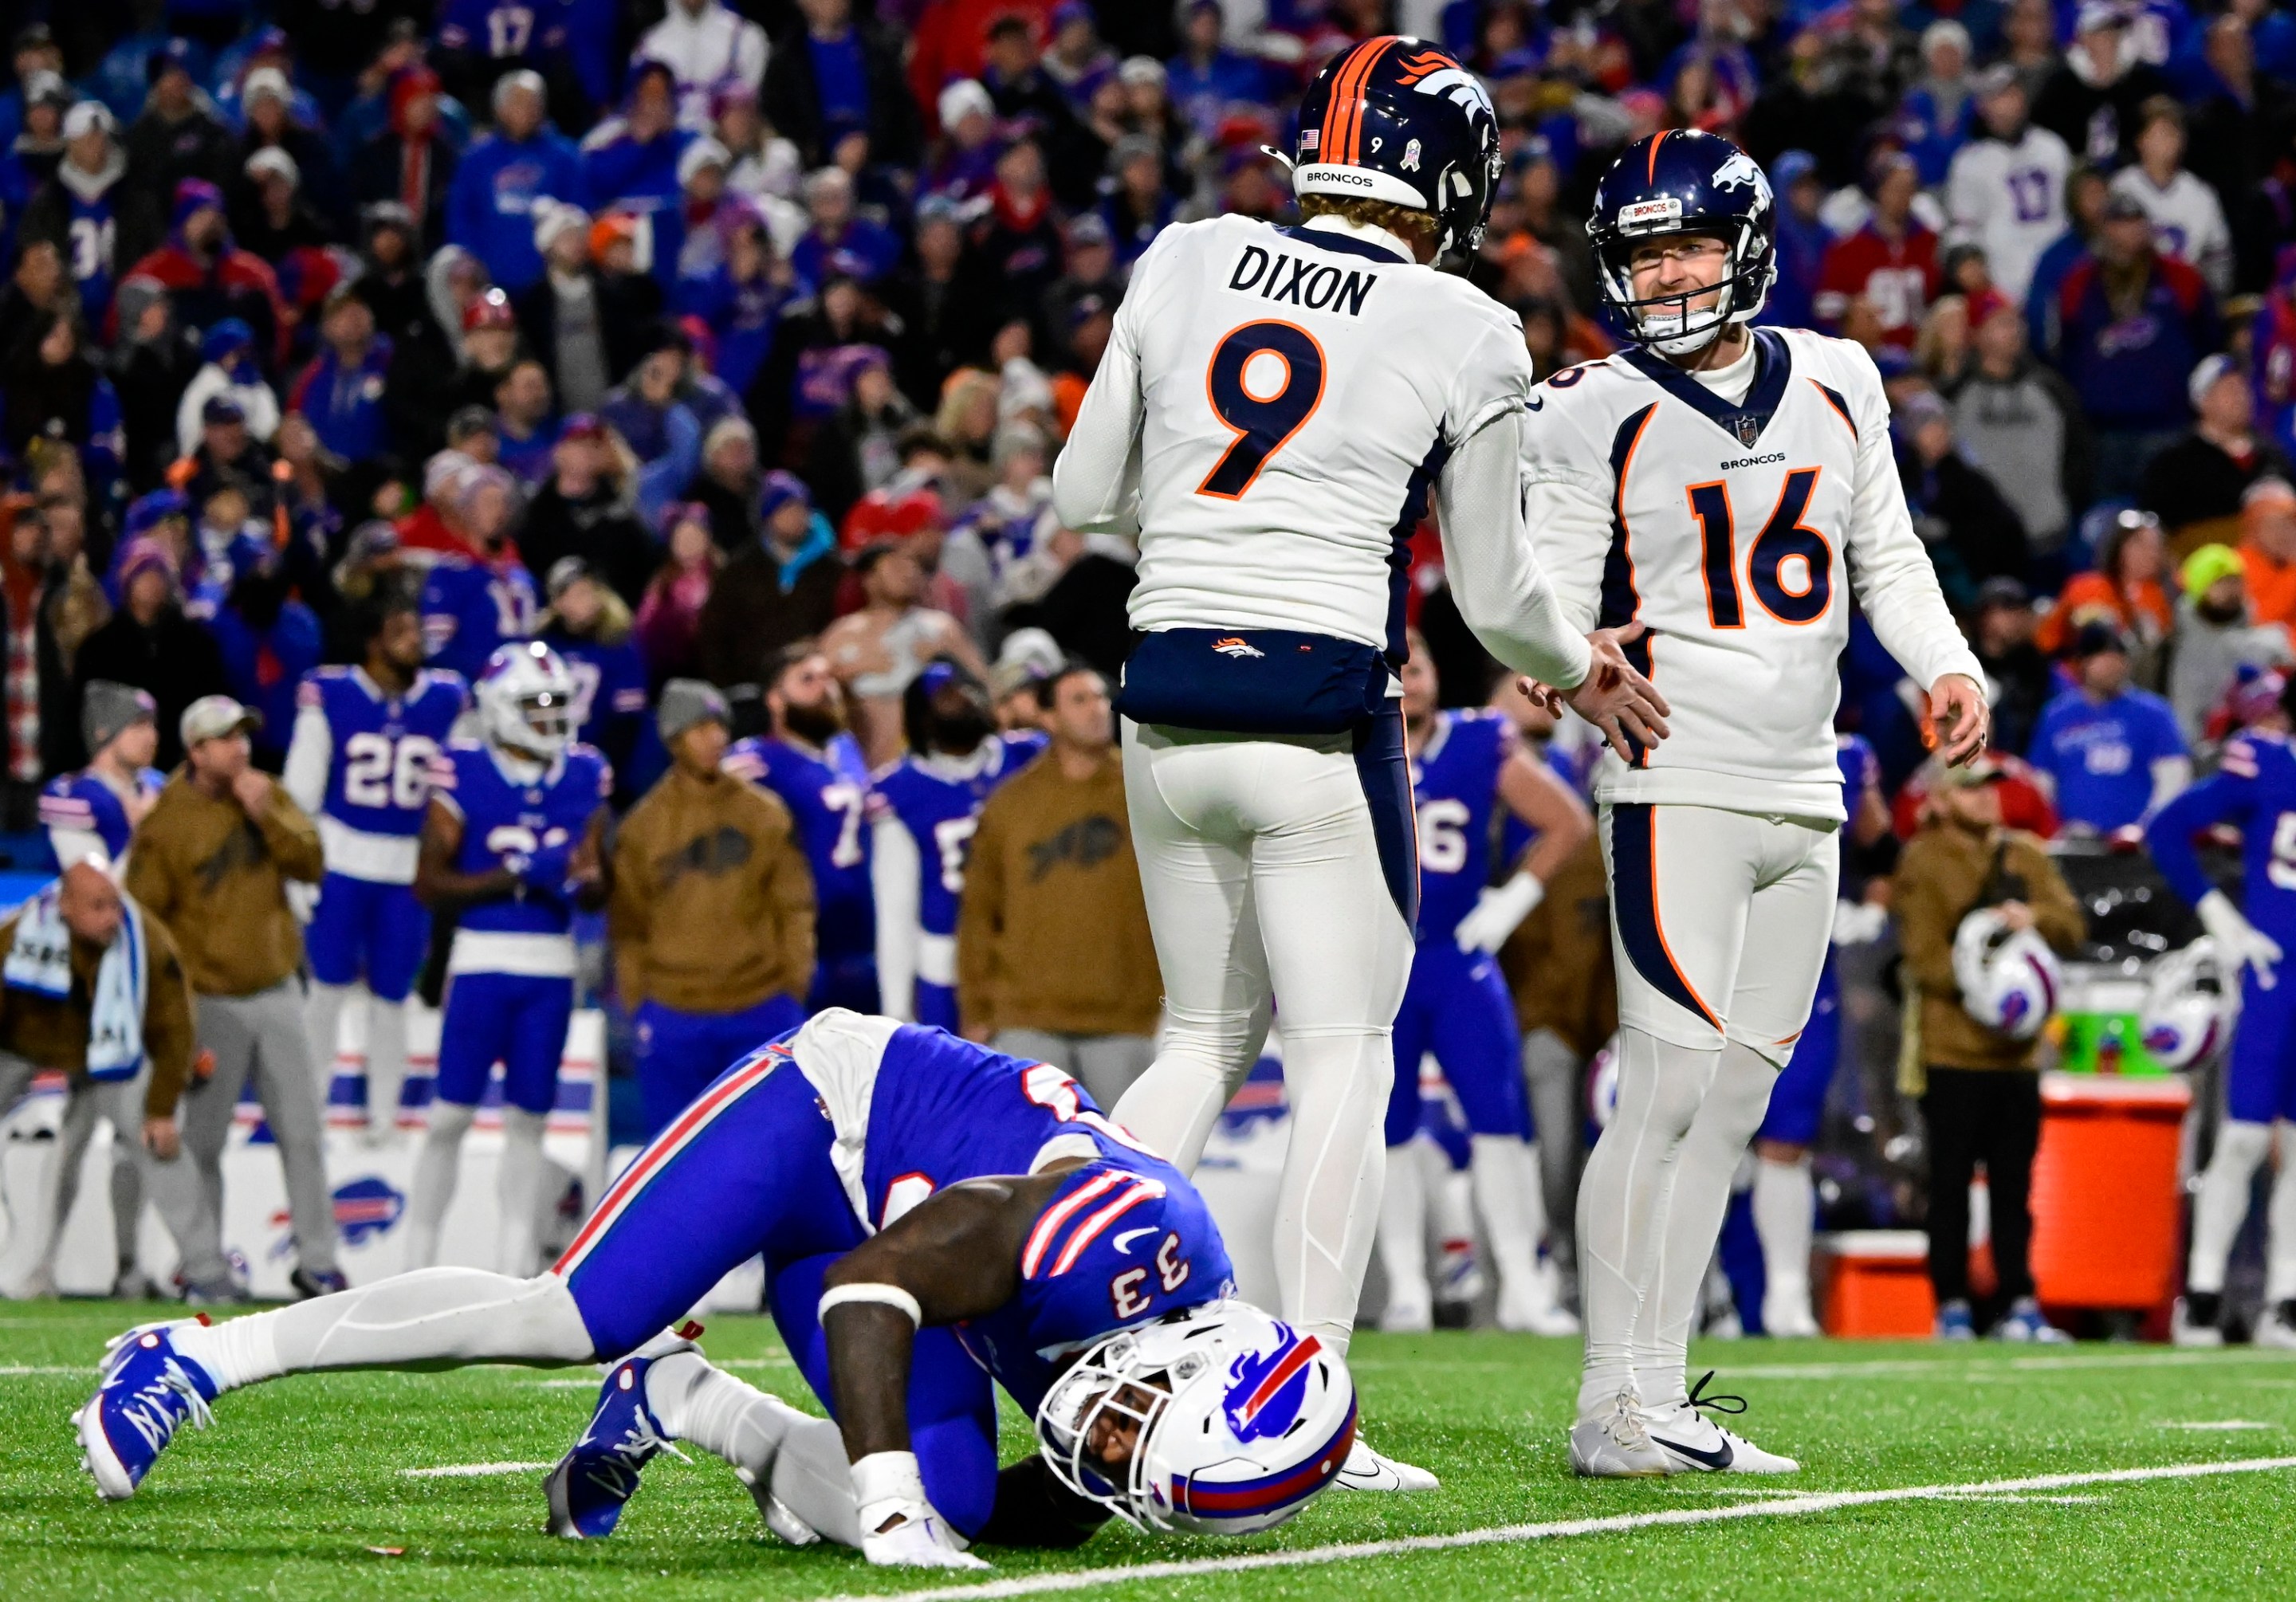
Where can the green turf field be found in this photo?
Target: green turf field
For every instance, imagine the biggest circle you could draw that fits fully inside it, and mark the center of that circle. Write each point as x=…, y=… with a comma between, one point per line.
x=301, y=1490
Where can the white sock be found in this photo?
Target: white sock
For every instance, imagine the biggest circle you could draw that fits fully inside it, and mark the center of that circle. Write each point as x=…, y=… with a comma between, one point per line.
x=1327, y=1201
x=814, y=1479
x=386, y=1064
x=1785, y=1214
x=322, y=1020
x=1727, y=1116
x=1622, y=1205
x=433, y=1319
x=1507, y=1195
x=2280, y=1241
x=437, y=1167
x=518, y=1188
x=1174, y=1104
x=698, y=1402
x=1403, y=1233
x=2223, y=1201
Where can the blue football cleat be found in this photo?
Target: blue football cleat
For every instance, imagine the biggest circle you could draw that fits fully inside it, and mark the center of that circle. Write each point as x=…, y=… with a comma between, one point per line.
x=149, y=1390
x=1953, y=1322
x=591, y=1483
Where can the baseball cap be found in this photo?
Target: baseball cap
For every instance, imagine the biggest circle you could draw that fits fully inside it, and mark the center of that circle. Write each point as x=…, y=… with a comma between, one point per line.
x=686, y=702
x=585, y=425
x=565, y=573
x=2122, y=207
x=2206, y=374
x=88, y=116
x=1984, y=770
x=2209, y=563
x=222, y=408
x=780, y=489
x=213, y=717
x=2096, y=637
x=1997, y=79
x=1792, y=168
x=108, y=708
x=271, y=159
x=490, y=309
x=2003, y=591
x=147, y=511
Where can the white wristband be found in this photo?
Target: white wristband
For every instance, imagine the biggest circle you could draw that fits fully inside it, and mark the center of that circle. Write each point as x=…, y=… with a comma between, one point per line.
x=887, y=1476
x=882, y=1296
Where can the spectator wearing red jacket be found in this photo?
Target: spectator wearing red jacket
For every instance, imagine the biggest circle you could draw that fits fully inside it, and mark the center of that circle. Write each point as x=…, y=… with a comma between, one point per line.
x=1890, y=264
x=210, y=278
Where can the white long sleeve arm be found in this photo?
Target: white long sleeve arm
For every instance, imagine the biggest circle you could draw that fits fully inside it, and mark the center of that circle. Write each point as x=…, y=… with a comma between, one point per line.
x=1096, y=481
x=1890, y=569
x=895, y=881
x=1496, y=578
x=309, y=753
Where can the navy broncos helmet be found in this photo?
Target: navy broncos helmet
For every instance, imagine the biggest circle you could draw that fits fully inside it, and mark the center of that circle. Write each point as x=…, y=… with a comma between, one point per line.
x=1684, y=182
x=1400, y=120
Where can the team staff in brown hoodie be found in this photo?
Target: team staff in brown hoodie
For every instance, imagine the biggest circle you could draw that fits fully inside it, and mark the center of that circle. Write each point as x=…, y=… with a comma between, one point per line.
x=1054, y=957
x=41, y=1030
x=711, y=913
x=1981, y=1098
x=212, y=861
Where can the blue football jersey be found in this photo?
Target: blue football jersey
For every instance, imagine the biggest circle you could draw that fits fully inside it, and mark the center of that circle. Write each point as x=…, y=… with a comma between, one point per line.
x=2254, y=790
x=470, y=608
x=383, y=747
x=502, y=818
x=610, y=683
x=82, y=804
x=829, y=807
x=1861, y=769
x=503, y=30
x=91, y=229
x=1126, y=1239
x=938, y=799
x=1454, y=786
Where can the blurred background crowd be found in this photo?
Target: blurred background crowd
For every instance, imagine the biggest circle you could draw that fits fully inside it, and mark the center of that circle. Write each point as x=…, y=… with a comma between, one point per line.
x=733, y=343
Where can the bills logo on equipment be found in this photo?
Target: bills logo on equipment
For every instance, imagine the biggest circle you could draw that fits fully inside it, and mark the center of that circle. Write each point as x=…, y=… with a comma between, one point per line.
x=1265, y=1389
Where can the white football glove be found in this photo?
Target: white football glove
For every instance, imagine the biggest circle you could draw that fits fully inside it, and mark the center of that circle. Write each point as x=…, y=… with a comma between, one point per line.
x=2238, y=939
x=898, y=1526
x=1496, y=912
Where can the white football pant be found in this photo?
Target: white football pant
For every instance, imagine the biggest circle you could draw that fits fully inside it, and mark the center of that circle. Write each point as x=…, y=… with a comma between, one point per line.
x=1267, y=864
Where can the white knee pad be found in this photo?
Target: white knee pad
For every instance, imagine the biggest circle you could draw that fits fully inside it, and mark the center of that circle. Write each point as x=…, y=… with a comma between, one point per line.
x=450, y=1121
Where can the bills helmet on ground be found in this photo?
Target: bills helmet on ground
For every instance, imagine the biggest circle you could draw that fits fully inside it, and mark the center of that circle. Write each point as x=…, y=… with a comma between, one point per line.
x=2189, y=1006
x=2009, y=978
x=1400, y=120
x=526, y=700
x=1678, y=182
x=1240, y=1419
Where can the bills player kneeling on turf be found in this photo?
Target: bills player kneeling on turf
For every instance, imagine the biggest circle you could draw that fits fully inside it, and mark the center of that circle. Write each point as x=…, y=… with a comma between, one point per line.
x=934, y=1217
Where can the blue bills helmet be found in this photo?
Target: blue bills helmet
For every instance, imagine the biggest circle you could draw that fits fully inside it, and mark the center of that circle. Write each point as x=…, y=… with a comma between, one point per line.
x=1684, y=182
x=1397, y=119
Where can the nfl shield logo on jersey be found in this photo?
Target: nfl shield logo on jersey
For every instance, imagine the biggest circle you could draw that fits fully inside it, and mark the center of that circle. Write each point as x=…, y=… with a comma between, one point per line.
x=1747, y=427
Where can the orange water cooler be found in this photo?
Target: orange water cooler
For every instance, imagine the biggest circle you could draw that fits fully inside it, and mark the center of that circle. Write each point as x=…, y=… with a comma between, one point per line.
x=2106, y=1201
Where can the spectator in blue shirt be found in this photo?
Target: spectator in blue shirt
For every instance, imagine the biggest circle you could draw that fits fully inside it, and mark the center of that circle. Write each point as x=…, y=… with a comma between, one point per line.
x=1206, y=77
x=490, y=208
x=2132, y=324
x=2113, y=751
x=842, y=241
x=1937, y=112
x=341, y=391
x=631, y=160
x=588, y=626
x=1802, y=240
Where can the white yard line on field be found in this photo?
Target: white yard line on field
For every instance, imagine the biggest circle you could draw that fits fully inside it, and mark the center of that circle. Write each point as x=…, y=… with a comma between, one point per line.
x=2226, y=1424
x=1960, y=1369
x=12, y=1371
x=471, y=1471
x=1781, y=1506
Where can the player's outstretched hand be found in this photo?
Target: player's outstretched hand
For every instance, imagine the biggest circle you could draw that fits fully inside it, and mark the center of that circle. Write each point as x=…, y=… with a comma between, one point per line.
x=1960, y=724
x=2240, y=942
x=916, y=1539
x=1625, y=705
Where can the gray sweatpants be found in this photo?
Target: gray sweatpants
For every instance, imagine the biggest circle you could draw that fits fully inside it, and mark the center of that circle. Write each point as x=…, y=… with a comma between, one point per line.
x=134, y=1171
x=1556, y=1078
x=1105, y=1064
x=262, y=1035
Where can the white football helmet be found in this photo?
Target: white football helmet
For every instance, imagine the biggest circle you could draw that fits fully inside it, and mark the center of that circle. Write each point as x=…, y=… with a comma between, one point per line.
x=2189, y=1006
x=525, y=700
x=2009, y=979
x=1241, y=1421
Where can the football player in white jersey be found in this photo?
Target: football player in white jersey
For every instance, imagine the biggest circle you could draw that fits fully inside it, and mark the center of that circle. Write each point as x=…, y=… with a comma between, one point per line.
x=1273, y=406
x=1727, y=486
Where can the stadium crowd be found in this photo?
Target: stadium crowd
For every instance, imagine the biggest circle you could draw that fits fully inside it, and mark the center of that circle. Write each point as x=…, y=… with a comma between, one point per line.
x=733, y=345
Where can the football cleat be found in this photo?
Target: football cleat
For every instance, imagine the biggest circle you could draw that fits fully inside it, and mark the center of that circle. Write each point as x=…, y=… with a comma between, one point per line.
x=149, y=1390
x=1954, y=1322
x=2196, y=1322
x=1367, y=1470
x=776, y=1512
x=591, y=1483
x=1693, y=1443
x=1529, y=1309
x=2025, y=1322
x=2277, y=1327
x=1407, y=1314
x=1613, y=1445
x=321, y=1282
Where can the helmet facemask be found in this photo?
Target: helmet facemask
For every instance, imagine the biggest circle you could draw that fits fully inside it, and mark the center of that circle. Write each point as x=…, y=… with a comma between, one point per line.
x=1102, y=1394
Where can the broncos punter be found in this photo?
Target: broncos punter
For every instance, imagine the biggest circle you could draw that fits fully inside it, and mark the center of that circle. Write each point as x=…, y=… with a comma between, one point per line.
x=932, y=1216
x=1727, y=488
x=1273, y=408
